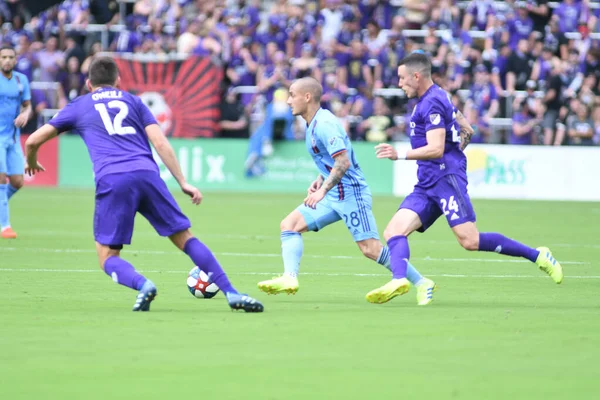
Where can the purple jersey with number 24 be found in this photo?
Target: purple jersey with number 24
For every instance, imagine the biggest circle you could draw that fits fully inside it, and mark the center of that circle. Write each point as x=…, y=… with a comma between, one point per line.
x=442, y=186
x=435, y=110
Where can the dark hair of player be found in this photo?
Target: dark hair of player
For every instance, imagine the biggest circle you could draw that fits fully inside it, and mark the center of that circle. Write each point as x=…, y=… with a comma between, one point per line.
x=7, y=47
x=417, y=62
x=103, y=72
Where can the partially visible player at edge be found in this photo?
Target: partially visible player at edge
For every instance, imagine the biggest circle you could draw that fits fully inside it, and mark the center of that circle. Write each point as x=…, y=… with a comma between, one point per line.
x=340, y=192
x=439, y=134
x=15, y=111
x=117, y=129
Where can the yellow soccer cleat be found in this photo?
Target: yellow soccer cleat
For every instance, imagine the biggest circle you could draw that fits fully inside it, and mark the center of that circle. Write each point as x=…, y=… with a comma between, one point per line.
x=281, y=284
x=425, y=292
x=549, y=264
x=396, y=287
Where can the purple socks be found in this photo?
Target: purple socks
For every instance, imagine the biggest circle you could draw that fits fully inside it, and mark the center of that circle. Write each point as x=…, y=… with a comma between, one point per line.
x=498, y=243
x=123, y=273
x=399, y=256
x=206, y=261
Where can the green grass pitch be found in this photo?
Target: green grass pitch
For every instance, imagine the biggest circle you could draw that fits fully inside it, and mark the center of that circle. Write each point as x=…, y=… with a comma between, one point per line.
x=498, y=328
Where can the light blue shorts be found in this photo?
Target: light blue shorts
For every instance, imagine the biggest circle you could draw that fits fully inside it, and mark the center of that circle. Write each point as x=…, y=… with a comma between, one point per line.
x=356, y=212
x=12, y=160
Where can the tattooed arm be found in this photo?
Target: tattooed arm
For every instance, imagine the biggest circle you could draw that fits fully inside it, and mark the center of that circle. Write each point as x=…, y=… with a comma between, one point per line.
x=340, y=166
x=466, y=130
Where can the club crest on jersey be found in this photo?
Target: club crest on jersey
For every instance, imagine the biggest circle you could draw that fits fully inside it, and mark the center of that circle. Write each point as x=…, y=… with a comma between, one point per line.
x=435, y=118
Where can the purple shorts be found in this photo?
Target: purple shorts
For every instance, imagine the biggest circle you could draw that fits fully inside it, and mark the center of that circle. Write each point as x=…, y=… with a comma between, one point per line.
x=120, y=196
x=448, y=196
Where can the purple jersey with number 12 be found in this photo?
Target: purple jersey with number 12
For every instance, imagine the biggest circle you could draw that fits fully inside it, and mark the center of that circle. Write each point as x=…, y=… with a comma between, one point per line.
x=112, y=124
x=434, y=110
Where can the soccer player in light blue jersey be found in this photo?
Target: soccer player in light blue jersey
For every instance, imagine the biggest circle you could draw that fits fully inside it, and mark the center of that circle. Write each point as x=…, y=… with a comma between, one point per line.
x=15, y=111
x=340, y=192
x=438, y=135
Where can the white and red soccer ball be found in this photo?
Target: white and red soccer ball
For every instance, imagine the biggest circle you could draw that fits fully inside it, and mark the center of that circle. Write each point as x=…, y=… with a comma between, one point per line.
x=200, y=285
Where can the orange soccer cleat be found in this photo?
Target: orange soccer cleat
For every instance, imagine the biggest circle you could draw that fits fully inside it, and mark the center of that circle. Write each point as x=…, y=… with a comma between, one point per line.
x=8, y=233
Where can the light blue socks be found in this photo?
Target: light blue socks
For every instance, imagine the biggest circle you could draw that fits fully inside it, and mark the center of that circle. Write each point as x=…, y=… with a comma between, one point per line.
x=4, y=214
x=10, y=191
x=292, y=247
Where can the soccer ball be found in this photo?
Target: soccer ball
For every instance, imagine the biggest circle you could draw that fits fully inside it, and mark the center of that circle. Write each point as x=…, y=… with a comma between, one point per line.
x=200, y=285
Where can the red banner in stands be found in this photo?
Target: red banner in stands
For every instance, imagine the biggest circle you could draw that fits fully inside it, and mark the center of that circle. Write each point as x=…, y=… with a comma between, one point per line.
x=48, y=157
x=183, y=95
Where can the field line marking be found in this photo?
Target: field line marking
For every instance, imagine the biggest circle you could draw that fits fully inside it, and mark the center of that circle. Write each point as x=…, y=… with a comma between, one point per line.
x=58, y=270
x=277, y=255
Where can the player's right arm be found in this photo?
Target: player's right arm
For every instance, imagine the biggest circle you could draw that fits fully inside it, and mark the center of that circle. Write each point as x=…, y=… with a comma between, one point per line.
x=167, y=155
x=466, y=130
x=32, y=145
x=63, y=121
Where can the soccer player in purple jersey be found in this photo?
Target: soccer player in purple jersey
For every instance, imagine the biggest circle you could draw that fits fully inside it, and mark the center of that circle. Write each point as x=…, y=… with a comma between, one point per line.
x=117, y=129
x=438, y=134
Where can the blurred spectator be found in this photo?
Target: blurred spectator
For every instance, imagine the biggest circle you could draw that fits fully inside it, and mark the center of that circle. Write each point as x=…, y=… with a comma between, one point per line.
x=355, y=69
x=552, y=101
x=555, y=39
x=277, y=125
x=72, y=82
x=350, y=31
x=27, y=59
x=568, y=13
x=275, y=33
x=519, y=27
x=479, y=15
x=51, y=60
x=374, y=38
x=129, y=40
x=95, y=49
x=581, y=128
x=17, y=30
x=330, y=20
x=274, y=76
x=305, y=64
x=242, y=68
x=596, y=119
x=542, y=67
x=234, y=121
x=523, y=124
x=483, y=102
x=72, y=47
x=415, y=12
x=386, y=69
x=518, y=68
x=378, y=127
x=539, y=12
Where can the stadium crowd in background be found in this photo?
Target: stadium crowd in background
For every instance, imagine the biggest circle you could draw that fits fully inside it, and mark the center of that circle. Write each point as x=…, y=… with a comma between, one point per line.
x=524, y=61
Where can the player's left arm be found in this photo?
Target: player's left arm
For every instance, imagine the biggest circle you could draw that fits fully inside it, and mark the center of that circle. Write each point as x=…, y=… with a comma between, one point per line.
x=466, y=130
x=32, y=145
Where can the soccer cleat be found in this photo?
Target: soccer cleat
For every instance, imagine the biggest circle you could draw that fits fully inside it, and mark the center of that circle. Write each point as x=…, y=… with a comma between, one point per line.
x=425, y=292
x=238, y=301
x=281, y=284
x=396, y=287
x=8, y=233
x=145, y=296
x=549, y=264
